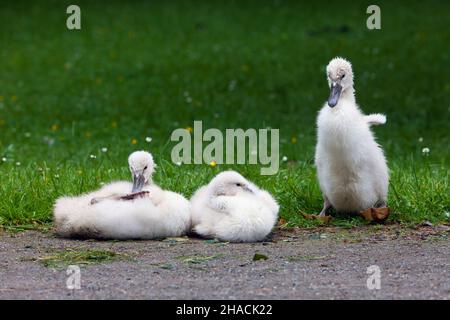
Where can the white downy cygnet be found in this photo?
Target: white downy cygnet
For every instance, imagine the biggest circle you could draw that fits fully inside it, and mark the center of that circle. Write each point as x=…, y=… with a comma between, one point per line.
x=230, y=208
x=141, y=166
x=118, y=213
x=351, y=167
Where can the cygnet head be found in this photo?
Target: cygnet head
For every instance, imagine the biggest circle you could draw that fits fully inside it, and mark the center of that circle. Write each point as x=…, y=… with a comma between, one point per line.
x=231, y=183
x=340, y=79
x=142, y=168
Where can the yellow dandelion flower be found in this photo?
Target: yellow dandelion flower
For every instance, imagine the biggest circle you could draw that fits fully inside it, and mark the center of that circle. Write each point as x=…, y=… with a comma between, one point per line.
x=1, y=98
x=114, y=124
x=2, y=122
x=213, y=163
x=88, y=134
x=189, y=129
x=294, y=140
x=98, y=81
x=55, y=127
x=134, y=141
x=14, y=98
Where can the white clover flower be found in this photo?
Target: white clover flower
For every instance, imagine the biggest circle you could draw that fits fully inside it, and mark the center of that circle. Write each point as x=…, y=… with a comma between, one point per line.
x=57, y=176
x=420, y=139
x=18, y=163
x=232, y=85
x=188, y=99
x=178, y=163
x=104, y=149
x=93, y=156
x=102, y=183
x=284, y=159
x=48, y=140
x=27, y=134
x=4, y=159
x=426, y=151
x=447, y=214
x=148, y=139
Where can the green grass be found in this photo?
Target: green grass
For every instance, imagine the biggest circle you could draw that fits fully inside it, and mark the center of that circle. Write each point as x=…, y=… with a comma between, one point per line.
x=259, y=256
x=198, y=259
x=66, y=94
x=305, y=258
x=77, y=257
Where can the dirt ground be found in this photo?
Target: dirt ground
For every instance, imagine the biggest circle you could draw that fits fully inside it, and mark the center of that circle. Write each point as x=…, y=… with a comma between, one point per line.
x=320, y=263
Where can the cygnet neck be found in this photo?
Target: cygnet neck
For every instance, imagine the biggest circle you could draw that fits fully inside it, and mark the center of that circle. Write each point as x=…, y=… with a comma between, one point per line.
x=348, y=95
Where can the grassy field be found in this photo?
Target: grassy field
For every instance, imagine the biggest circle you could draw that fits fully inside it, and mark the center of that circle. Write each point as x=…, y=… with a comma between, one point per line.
x=141, y=69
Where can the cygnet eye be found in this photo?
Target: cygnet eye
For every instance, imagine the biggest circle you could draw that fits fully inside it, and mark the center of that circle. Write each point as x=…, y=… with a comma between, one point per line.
x=342, y=77
x=145, y=168
x=239, y=184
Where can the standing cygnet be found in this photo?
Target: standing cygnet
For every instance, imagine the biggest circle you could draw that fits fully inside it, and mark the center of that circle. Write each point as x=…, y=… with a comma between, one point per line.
x=114, y=212
x=351, y=167
x=230, y=208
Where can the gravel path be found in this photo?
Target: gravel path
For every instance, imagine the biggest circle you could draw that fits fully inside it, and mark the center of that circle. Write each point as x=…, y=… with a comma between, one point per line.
x=324, y=263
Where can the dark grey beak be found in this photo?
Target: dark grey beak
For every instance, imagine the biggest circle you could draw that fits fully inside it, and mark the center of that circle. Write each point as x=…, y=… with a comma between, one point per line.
x=246, y=188
x=335, y=93
x=138, y=182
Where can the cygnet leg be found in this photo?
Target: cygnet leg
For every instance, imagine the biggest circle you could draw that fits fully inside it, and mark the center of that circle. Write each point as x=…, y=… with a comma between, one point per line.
x=135, y=195
x=98, y=199
x=326, y=207
x=380, y=204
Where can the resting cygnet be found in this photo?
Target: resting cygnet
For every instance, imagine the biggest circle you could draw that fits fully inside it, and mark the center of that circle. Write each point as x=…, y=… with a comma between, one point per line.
x=116, y=213
x=351, y=167
x=230, y=208
x=141, y=166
